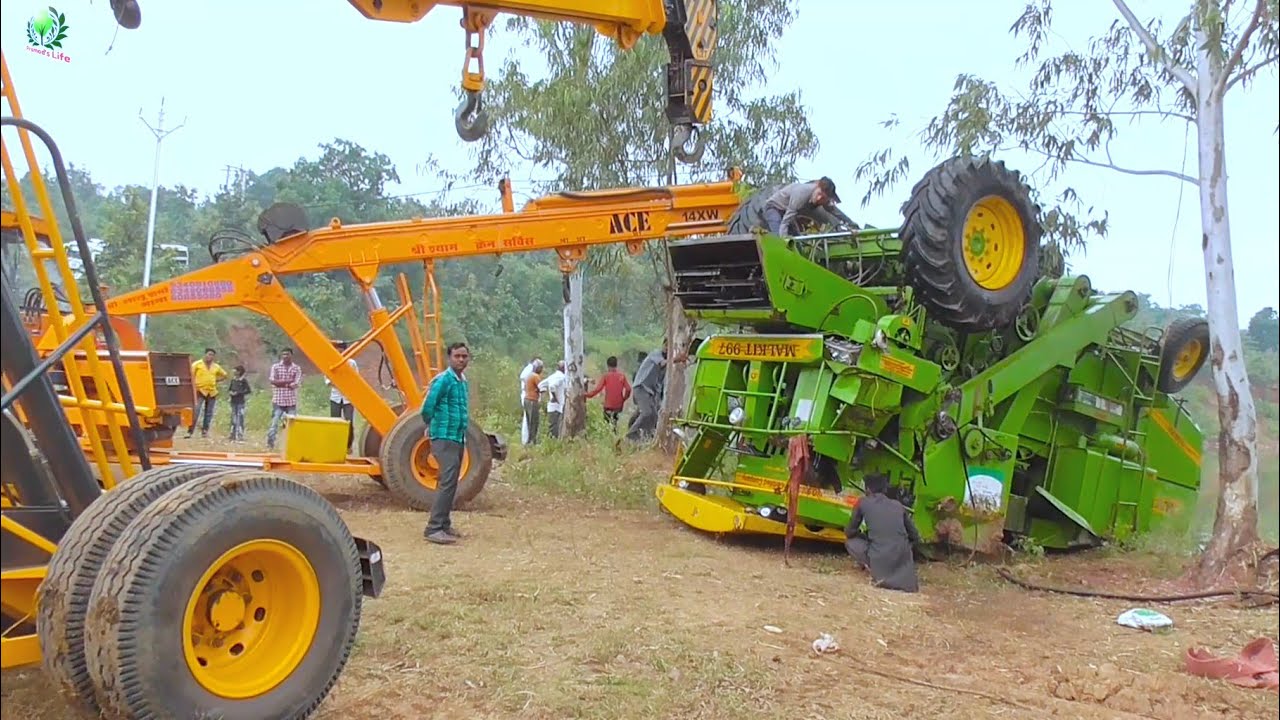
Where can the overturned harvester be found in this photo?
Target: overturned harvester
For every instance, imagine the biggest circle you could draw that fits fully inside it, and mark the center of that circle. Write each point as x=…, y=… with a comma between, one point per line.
x=1002, y=401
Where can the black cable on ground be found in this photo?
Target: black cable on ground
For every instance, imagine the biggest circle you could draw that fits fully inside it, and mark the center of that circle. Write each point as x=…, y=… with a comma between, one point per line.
x=1004, y=573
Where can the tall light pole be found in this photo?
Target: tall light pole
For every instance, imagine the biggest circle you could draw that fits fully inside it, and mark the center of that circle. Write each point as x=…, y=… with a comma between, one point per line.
x=160, y=134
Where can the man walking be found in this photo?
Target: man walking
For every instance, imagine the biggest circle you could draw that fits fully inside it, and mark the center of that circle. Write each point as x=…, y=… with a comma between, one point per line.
x=446, y=413
x=530, y=401
x=554, y=386
x=205, y=375
x=616, y=391
x=813, y=200
x=285, y=378
x=339, y=405
x=524, y=376
x=648, y=384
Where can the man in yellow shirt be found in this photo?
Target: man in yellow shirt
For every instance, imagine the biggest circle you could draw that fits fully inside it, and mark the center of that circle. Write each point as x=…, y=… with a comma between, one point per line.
x=206, y=374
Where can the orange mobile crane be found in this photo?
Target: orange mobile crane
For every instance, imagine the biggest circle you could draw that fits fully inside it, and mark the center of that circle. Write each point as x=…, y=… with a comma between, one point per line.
x=567, y=223
x=393, y=450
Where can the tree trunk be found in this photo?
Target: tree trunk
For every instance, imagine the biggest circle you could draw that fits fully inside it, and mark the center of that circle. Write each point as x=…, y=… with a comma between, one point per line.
x=574, y=421
x=676, y=383
x=1235, y=525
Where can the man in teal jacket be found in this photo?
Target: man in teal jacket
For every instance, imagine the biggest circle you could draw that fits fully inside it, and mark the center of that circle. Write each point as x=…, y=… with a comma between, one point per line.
x=446, y=413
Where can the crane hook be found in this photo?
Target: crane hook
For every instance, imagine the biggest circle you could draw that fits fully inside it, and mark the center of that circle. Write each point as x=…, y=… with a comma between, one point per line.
x=471, y=121
x=687, y=143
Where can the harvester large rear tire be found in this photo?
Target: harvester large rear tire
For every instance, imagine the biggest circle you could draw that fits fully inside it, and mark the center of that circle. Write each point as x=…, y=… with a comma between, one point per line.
x=235, y=596
x=63, y=598
x=1183, y=350
x=410, y=472
x=971, y=243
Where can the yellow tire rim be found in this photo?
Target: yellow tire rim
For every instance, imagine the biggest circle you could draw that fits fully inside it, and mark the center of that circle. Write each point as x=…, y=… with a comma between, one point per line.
x=993, y=243
x=1185, y=363
x=427, y=471
x=251, y=619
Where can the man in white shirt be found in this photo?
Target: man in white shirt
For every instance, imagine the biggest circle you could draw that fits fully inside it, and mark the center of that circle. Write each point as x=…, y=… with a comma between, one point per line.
x=554, y=386
x=524, y=421
x=339, y=405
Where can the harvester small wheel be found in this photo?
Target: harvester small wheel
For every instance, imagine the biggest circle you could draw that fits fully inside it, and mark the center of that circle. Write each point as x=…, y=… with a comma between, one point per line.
x=411, y=473
x=971, y=243
x=235, y=596
x=1183, y=351
x=63, y=598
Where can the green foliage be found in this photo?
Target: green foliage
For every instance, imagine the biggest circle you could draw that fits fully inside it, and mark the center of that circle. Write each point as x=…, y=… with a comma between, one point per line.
x=595, y=117
x=1075, y=100
x=1264, y=330
x=506, y=306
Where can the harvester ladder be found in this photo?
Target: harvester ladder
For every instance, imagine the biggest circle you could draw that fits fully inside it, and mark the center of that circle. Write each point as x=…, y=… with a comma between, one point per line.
x=775, y=398
x=76, y=333
x=1131, y=433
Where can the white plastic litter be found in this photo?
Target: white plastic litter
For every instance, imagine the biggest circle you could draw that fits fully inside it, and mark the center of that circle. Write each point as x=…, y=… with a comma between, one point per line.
x=773, y=629
x=1144, y=619
x=825, y=644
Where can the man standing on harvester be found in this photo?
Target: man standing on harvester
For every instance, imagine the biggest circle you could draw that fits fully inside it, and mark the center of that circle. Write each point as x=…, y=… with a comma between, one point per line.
x=447, y=415
x=813, y=200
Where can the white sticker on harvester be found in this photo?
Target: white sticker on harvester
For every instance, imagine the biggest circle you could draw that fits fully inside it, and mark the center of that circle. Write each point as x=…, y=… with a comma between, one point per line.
x=984, y=492
x=804, y=409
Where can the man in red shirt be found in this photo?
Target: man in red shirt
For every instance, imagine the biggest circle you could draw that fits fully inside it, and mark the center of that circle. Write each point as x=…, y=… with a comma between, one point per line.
x=616, y=391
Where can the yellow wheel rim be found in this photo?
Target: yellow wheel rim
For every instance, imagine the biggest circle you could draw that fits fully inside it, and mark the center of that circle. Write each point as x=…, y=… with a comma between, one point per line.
x=427, y=471
x=251, y=619
x=993, y=243
x=1185, y=363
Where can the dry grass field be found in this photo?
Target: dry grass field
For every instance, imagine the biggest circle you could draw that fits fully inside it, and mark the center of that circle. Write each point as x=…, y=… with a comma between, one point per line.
x=573, y=596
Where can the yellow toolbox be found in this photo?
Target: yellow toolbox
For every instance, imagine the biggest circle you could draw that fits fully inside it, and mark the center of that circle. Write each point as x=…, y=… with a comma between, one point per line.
x=313, y=439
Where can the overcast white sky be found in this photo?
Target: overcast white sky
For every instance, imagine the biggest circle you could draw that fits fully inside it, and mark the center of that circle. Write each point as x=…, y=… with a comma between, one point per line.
x=261, y=84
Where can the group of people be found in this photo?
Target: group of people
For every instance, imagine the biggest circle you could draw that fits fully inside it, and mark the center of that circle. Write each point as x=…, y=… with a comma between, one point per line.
x=284, y=377
x=613, y=387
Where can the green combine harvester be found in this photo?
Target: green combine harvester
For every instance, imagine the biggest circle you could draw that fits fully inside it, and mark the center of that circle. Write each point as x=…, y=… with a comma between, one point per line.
x=1004, y=402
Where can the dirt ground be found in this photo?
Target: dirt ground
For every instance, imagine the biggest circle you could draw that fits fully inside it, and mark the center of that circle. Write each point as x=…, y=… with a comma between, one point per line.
x=550, y=609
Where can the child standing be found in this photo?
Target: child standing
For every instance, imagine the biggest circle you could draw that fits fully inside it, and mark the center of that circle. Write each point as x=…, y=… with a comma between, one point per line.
x=239, y=392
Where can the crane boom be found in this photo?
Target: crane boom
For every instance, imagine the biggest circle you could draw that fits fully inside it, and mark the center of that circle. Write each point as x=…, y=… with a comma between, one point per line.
x=567, y=223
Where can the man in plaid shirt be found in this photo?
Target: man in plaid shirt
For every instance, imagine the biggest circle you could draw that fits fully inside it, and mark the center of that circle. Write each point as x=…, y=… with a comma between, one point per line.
x=446, y=413
x=285, y=378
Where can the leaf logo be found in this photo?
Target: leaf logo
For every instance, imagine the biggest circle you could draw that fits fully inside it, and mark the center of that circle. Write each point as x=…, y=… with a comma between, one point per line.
x=47, y=29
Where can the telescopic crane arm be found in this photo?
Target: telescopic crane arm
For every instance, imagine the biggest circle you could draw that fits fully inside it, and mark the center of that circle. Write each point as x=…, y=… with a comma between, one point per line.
x=568, y=223
x=688, y=26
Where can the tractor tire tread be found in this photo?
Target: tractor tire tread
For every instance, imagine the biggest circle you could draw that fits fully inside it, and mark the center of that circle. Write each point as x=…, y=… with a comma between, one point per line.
x=931, y=232
x=128, y=585
x=63, y=598
x=1177, y=334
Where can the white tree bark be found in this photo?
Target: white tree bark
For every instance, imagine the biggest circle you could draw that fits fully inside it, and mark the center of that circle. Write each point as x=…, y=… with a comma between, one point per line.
x=1236, y=521
x=574, y=421
x=676, y=382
